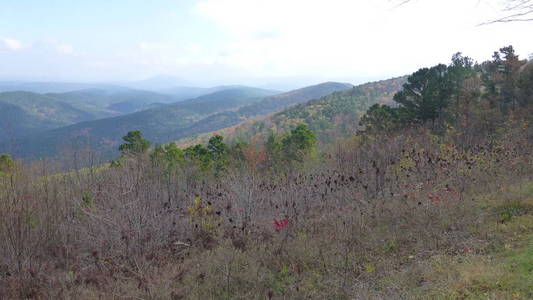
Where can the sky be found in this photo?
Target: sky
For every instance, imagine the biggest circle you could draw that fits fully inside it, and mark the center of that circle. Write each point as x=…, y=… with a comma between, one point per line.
x=255, y=42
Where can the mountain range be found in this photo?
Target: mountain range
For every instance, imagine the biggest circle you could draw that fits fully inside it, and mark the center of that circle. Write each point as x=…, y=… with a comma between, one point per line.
x=166, y=123
x=34, y=125
x=333, y=116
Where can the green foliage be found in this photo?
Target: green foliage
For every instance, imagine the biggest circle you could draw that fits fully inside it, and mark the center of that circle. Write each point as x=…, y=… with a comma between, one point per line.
x=274, y=151
x=425, y=95
x=168, y=155
x=449, y=96
x=512, y=209
x=115, y=163
x=299, y=143
x=217, y=147
x=293, y=147
x=213, y=156
x=522, y=260
x=380, y=118
x=86, y=199
x=219, y=153
x=389, y=246
x=501, y=76
x=7, y=165
x=135, y=143
x=200, y=155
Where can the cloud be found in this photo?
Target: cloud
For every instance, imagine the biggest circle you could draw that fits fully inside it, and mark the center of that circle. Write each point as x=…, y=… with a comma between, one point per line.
x=346, y=38
x=65, y=49
x=232, y=40
x=304, y=36
x=10, y=44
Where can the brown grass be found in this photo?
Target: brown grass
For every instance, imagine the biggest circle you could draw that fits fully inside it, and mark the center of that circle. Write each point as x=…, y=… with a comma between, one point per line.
x=390, y=218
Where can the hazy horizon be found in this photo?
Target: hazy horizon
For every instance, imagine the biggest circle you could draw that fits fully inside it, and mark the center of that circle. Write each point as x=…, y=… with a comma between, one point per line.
x=250, y=42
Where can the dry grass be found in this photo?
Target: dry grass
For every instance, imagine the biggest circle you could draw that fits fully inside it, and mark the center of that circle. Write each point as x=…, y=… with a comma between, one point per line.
x=395, y=218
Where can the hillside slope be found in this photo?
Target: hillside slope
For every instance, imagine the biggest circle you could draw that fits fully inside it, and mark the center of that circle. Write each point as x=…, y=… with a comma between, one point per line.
x=120, y=101
x=261, y=108
x=24, y=113
x=227, y=99
x=330, y=117
x=160, y=124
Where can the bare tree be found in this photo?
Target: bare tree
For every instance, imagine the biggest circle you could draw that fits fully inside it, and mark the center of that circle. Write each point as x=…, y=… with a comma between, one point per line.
x=513, y=11
x=516, y=11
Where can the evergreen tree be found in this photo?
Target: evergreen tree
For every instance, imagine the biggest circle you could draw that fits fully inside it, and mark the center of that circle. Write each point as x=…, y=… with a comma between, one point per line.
x=135, y=143
x=169, y=155
x=274, y=151
x=380, y=118
x=217, y=147
x=219, y=151
x=200, y=155
x=300, y=142
x=425, y=95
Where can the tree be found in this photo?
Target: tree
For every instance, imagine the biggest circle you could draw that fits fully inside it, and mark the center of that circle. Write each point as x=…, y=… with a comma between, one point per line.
x=501, y=76
x=135, y=143
x=273, y=151
x=6, y=164
x=200, y=155
x=525, y=84
x=424, y=98
x=300, y=142
x=215, y=154
x=461, y=68
x=217, y=147
x=510, y=66
x=514, y=10
x=169, y=155
x=380, y=118
x=425, y=95
x=219, y=151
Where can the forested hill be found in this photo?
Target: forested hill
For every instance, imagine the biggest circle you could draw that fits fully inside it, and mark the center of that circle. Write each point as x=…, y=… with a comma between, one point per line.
x=330, y=117
x=119, y=101
x=276, y=102
x=259, y=109
x=23, y=113
x=227, y=99
x=172, y=122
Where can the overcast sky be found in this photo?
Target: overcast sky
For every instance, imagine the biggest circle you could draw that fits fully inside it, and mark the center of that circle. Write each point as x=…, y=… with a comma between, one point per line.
x=208, y=42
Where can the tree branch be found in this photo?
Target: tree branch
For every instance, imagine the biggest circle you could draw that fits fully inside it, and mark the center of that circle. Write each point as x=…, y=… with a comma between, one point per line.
x=518, y=9
x=517, y=17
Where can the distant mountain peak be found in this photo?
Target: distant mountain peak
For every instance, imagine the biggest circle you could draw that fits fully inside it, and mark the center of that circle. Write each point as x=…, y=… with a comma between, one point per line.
x=159, y=82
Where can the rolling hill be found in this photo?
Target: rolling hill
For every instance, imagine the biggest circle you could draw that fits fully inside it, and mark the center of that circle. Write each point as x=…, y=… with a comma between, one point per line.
x=23, y=113
x=122, y=97
x=171, y=122
x=266, y=106
x=330, y=117
x=227, y=98
x=118, y=101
